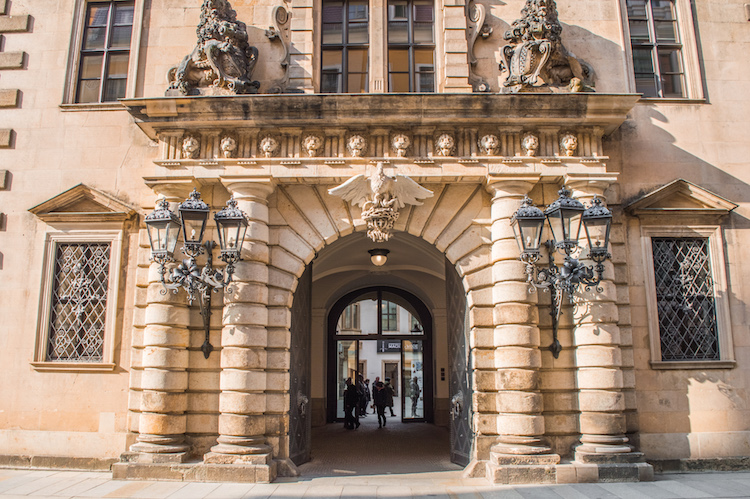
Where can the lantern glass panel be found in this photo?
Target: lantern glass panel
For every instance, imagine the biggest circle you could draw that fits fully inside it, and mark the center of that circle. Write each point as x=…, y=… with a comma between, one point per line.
x=193, y=224
x=163, y=235
x=597, y=231
x=229, y=235
x=531, y=233
x=556, y=226
x=571, y=220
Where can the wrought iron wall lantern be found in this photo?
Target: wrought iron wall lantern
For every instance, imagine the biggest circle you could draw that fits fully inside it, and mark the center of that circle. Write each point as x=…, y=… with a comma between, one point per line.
x=565, y=217
x=164, y=229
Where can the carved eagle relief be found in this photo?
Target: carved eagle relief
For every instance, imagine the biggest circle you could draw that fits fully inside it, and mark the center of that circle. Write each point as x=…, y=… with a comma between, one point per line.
x=381, y=190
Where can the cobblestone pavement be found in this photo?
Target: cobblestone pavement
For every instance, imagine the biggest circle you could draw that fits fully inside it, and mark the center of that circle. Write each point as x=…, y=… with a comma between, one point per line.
x=398, y=461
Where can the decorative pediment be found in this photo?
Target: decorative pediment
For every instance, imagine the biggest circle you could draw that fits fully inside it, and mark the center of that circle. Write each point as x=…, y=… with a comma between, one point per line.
x=83, y=204
x=681, y=197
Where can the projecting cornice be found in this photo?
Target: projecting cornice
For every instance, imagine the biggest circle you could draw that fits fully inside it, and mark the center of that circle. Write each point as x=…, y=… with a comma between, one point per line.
x=606, y=111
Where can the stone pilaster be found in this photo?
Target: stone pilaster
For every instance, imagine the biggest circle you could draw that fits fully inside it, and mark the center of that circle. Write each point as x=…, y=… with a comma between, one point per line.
x=162, y=421
x=242, y=402
x=598, y=360
x=520, y=455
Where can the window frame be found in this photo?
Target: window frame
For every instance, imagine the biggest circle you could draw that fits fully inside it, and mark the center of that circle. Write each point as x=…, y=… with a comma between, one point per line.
x=411, y=47
x=721, y=302
x=52, y=239
x=692, y=73
x=384, y=312
x=74, y=57
x=345, y=46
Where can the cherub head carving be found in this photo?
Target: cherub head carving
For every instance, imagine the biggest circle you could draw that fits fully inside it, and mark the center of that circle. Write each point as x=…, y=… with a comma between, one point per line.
x=190, y=147
x=357, y=145
x=228, y=145
x=268, y=146
x=312, y=144
x=401, y=143
x=530, y=144
x=489, y=144
x=445, y=144
x=568, y=144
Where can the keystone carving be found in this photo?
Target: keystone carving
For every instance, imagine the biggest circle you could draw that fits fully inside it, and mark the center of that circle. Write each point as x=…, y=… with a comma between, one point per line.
x=535, y=58
x=381, y=197
x=222, y=62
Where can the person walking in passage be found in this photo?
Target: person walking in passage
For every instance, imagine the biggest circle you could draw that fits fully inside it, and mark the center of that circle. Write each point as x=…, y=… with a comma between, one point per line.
x=415, y=391
x=361, y=390
x=380, y=399
x=389, y=395
x=377, y=380
x=351, y=400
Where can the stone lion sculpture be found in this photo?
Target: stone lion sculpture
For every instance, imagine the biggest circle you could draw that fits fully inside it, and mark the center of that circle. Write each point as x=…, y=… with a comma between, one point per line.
x=190, y=147
x=530, y=144
x=489, y=144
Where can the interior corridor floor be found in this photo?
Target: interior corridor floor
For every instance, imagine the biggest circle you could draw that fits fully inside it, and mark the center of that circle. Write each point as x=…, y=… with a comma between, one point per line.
x=398, y=448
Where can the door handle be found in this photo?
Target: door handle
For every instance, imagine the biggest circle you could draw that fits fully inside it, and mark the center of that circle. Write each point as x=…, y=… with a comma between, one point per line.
x=457, y=405
x=302, y=402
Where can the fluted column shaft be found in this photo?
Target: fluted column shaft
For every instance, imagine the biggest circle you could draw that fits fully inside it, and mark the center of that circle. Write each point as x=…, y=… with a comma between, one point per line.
x=162, y=421
x=242, y=401
x=598, y=359
x=520, y=424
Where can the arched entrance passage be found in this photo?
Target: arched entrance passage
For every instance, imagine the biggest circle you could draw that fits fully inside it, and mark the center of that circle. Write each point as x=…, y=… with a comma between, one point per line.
x=382, y=332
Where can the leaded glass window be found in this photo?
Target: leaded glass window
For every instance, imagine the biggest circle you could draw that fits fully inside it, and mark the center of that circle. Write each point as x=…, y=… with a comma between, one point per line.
x=79, y=302
x=657, y=48
x=685, y=299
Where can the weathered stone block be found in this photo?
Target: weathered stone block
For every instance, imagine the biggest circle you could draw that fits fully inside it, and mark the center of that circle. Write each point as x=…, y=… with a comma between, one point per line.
x=6, y=136
x=164, y=358
x=601, y=401
x=152, y=401
x=246, y=314
x=241, y=335
x=516, y=334
x=9, y=97
x=162, y=424
x=165, y=336
x=515, y=313
x=599, y=423
x=242, y=403
x=243, y=381
x=519, y=401
x=14, y=24
x=243, y=358
x=161, y=380
x=11, y=60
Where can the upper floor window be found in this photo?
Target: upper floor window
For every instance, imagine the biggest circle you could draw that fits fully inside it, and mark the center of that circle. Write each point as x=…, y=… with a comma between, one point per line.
x=349, y=319
x=657, y=48
x=389, y=316
x=349, y=61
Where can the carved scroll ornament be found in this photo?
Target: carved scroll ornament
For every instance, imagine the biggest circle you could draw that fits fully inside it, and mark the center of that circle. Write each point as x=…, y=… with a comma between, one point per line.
x=381, y=197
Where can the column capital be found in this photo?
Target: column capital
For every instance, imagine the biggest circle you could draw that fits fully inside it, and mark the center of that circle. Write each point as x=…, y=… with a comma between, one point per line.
x=247, y=188
x=511, y=185
x=583, y=185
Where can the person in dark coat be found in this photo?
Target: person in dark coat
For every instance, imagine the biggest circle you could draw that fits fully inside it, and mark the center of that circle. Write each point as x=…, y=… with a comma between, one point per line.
x=377, y=380
x=362, y=404
x=367, y=397
x=380, y=399
x=351, y=400
x=389, y=393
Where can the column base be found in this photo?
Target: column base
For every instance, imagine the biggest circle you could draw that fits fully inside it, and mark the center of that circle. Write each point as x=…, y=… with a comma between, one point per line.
x=196, y=472
x=152, y=457
x=573, y=472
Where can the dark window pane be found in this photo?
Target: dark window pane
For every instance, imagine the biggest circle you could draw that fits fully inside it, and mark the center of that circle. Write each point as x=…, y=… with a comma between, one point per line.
x=88, y=91
x=398, y=82
x=637, y=9
x=91, y=66
x=358, y=33
x=330, y=83
x=423, y=33
x=423, y=12
x=357, y=11
x=95, y=38
x=672, y=85
x=425, y=82
x=357, y=61
x=332, y=60
x=398, y=10
x=357, y=83
x=114, y=90
x=398, y=32
x=333, y=12
x=639, y=31
x=424, y=60
x=642, y=61
x=118, y=66
x=663, y=10
x=332, y=33
x=669, y=61
x=123, y=13
x=98, y=15
x=398, y=60
x=666, y=31
x=120, y=37
x=646, y=85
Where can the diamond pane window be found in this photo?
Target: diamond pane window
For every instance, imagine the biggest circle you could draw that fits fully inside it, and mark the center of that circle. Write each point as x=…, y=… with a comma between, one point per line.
x=79, y=302
x=685, y=299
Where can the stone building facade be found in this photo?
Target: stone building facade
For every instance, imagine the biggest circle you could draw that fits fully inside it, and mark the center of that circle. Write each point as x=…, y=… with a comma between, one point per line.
x=639, y=103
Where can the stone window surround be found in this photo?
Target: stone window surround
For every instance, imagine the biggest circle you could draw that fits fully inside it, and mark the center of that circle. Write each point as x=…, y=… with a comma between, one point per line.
x=74, y=54
x=718, y=272
x=112, y=236
x=690, y=57
x=378, y=46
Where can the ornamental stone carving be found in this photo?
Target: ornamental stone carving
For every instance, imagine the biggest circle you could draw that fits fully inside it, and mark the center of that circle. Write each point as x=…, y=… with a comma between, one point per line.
x=445, y=144
x=357, y=146
x=190, y=147
x=400, y=143
x=312, y=144
x=568, y=144
x=489, y=144
x=530, y=144
x=535, y=58
x=268, y=146
x=381, y=197
x=222, y=62
x=228, y=146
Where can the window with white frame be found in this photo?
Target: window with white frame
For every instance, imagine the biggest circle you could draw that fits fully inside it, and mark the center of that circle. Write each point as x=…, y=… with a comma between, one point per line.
x=103, y=51
x=79, y=300
x=687, y=303
x=663, y=48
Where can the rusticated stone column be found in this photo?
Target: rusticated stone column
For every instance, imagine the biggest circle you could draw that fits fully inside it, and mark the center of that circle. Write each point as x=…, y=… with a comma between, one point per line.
x=242, y=401
x=162, y=421
x=520, y=454
x=598, y=361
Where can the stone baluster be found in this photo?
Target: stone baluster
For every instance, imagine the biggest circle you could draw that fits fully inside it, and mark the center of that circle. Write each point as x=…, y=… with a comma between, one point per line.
x=162, y=422
x=242, y=403
x=596, y=338
x=520, y=454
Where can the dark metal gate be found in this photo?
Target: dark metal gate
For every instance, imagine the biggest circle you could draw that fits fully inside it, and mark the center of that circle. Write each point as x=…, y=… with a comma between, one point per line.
x=461, y=434
x=300, y=421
